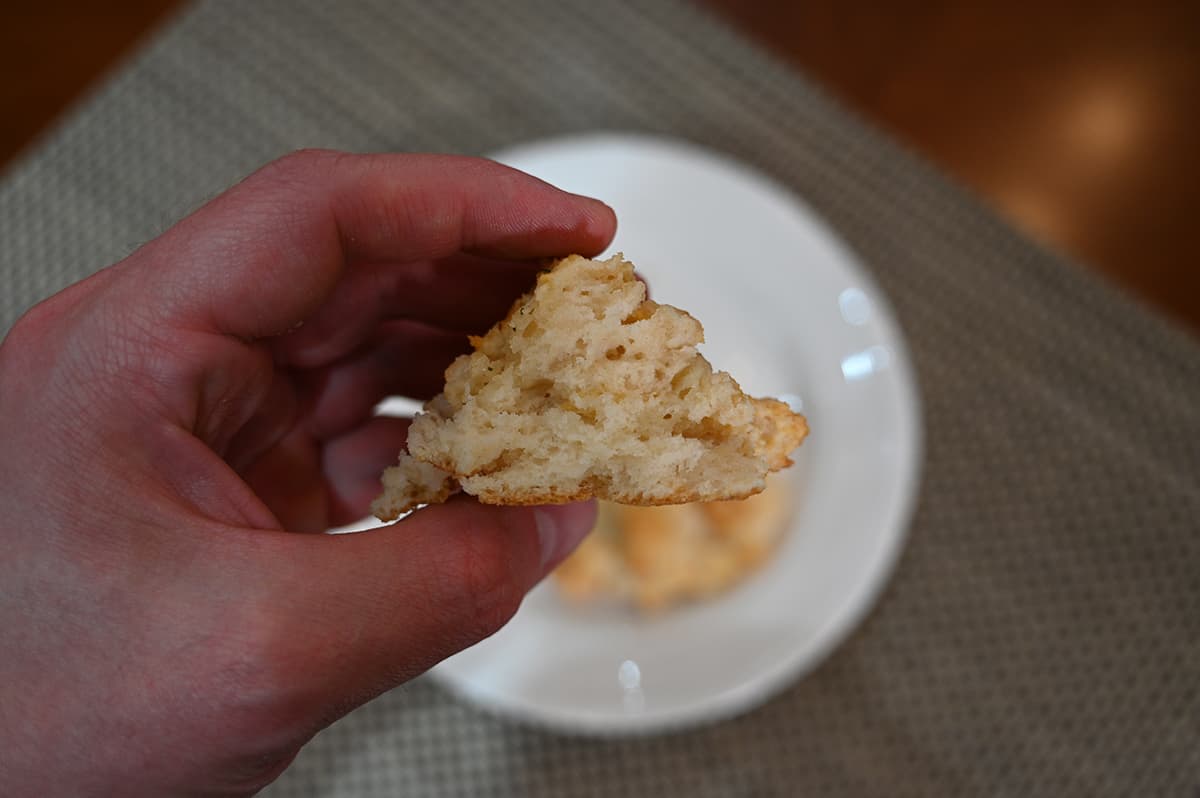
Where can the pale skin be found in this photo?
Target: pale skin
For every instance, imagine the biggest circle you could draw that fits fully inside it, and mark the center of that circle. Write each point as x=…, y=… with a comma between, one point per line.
x=171, y=426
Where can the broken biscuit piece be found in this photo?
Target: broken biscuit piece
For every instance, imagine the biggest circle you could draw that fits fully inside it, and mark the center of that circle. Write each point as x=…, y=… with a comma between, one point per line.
x=589, y=389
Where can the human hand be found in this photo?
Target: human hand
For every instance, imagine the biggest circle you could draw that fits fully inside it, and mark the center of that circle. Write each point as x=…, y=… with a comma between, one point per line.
x=169, y=424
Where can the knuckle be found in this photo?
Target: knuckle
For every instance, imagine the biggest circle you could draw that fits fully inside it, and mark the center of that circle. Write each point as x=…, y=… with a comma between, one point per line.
x=35, y=323
x=299, y=164
x=38, y=331
x=58, y=318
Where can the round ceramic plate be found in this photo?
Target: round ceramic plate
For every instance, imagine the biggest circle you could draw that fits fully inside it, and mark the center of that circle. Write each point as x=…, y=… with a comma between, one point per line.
x=790, y=313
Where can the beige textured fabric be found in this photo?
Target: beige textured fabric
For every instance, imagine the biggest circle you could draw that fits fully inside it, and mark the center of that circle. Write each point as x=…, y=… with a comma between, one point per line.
x=1042, y=633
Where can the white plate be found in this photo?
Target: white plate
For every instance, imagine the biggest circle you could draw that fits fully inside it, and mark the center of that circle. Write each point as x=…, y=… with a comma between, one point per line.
x=789, y=312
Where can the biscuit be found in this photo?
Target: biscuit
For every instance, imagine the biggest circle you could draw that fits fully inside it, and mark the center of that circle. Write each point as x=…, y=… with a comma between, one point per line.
x=587, y=389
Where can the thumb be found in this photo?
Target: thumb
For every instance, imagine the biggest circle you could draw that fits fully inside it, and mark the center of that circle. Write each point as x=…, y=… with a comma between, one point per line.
x=367, y=611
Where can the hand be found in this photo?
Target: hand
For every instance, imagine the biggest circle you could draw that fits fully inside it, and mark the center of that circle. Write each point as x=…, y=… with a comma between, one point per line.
x=168, y=425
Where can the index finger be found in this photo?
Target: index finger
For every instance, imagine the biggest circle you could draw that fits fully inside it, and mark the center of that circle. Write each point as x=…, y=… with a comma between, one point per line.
x=259, y=259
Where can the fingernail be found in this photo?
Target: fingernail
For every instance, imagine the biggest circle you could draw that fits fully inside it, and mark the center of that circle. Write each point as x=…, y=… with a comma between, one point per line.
x=561, y=527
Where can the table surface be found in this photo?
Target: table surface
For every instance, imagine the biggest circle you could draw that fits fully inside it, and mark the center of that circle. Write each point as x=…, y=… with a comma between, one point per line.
x=1041, y=634
x=1077, y=125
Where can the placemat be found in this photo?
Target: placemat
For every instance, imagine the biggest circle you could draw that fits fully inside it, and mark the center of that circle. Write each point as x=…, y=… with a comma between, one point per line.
x=1042, y=633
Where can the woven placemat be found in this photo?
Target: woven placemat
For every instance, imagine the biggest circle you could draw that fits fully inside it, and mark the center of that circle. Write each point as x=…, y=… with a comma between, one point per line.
x=1042, y=633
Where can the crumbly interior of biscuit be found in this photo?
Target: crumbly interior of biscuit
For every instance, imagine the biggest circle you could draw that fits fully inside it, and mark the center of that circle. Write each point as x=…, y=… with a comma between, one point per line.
x=411, y=483
x=590, y=389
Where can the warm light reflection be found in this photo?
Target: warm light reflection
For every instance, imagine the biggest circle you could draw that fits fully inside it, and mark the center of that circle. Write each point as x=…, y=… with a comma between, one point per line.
x=1103, y=120
x=1093, y=135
